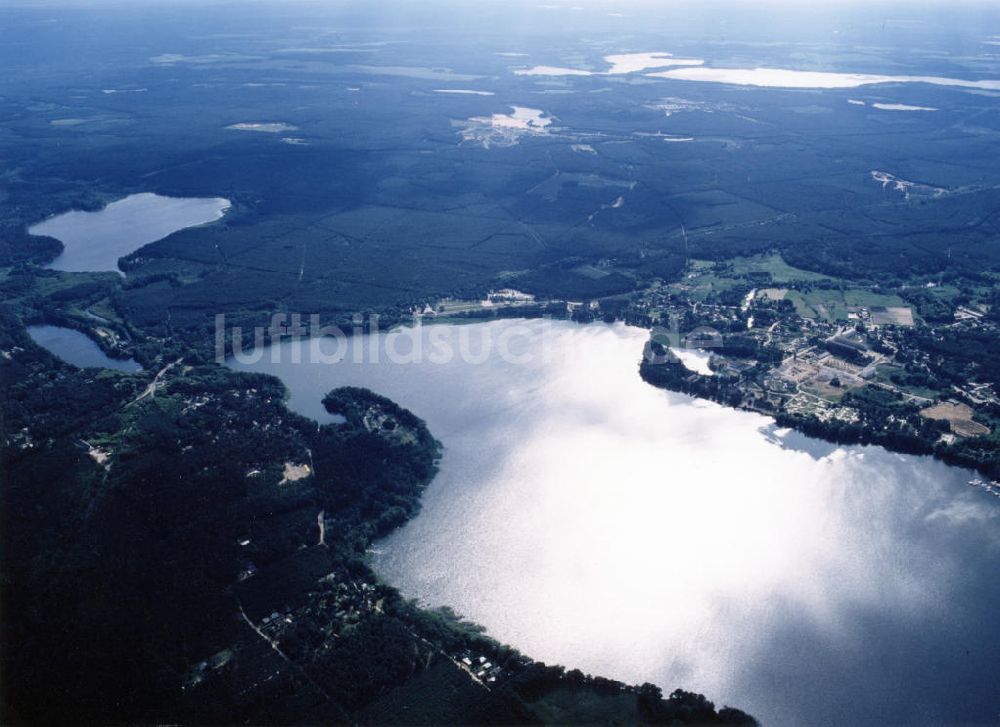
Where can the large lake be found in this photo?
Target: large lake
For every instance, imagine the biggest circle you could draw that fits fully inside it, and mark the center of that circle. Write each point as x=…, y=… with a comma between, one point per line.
x=594, y=521
x=93, y=241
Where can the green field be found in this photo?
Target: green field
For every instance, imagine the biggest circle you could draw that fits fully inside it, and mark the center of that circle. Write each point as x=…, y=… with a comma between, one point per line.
x=832, y=305
x=775, y=266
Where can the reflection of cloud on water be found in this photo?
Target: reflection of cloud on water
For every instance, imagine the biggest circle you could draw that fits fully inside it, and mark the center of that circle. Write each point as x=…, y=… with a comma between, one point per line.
x=590, y=519
x=966, y=511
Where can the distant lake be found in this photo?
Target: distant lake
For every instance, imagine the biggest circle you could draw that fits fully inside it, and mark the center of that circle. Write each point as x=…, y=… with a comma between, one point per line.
x=76, y=348
x=95, y=240
x=594, y=521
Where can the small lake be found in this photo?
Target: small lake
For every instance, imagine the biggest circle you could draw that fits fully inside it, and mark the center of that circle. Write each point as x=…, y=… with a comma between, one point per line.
x=77, y=348
x=594, y=521
x=94, y=241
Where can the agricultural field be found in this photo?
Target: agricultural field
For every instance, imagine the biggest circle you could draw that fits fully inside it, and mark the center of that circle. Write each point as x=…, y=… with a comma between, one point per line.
x=959, y=418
